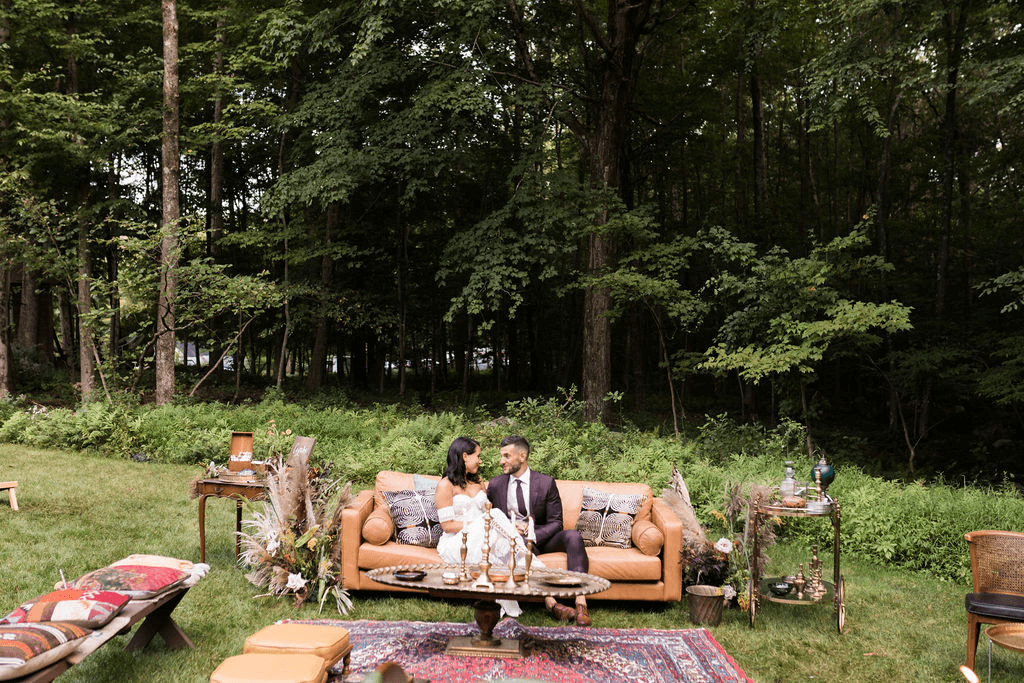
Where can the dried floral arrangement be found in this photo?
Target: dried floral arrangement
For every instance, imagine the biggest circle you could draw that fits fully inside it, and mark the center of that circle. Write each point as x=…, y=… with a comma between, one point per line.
x=293, y=544
x=726, y=561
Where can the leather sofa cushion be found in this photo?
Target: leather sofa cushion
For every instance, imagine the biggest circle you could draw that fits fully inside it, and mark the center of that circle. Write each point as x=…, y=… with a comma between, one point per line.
x=393, y=553
x=614, y=564
x=648, y=538
x=571, y=493
x=325, y=641
x=260, y=667
x=996, y=605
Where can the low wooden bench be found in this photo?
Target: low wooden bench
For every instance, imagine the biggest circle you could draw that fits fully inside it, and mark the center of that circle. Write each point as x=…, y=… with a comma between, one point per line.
x=155, y=615
x=10, y=486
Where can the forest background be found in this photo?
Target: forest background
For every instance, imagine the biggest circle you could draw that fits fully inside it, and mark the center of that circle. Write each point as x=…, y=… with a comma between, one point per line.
x=775, y=208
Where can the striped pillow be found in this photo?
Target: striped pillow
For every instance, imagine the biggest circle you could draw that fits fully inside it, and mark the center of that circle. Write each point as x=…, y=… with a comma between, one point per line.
x=91, y=609
x=25, y=648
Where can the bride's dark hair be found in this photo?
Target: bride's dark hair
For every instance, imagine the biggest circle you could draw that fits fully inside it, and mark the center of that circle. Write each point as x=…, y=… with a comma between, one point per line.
x=456, y=469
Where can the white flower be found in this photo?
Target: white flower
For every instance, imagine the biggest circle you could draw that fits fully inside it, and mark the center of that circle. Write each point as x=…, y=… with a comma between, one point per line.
x=723, y=545
x=273, y=543
x=728, y=592
x=295, y=582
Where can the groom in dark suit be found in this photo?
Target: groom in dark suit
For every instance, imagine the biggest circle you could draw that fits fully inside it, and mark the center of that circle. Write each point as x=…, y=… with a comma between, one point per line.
x=531, y=493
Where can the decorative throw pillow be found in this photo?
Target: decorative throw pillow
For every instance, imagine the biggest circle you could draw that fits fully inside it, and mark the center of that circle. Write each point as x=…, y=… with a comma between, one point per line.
x=415, y=516
x=25, y=648
x=378, y=527
x=154, y=561
x=648, y=538
x=91, y=609
x=139, y=582
x=607, y=518
x=424, y=483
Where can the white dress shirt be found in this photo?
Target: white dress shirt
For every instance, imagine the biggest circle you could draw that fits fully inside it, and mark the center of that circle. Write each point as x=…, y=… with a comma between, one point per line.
x=511, y=497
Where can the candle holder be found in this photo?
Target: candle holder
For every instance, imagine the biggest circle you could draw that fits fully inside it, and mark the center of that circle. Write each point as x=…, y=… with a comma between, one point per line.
x=510, y=584
x=529, y=557
x=484, y=580
x=463, y=574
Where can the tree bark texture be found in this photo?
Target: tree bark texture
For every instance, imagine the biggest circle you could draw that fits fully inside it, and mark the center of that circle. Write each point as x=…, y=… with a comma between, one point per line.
x=318, y=357
x=165, y=339
x=5, y=347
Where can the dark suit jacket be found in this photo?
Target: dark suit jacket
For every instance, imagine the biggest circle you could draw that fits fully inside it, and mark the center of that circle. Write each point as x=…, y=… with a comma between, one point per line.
x=545, y=504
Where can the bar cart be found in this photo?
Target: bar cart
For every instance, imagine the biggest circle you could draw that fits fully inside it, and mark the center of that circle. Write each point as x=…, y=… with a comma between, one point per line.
x=781, y=589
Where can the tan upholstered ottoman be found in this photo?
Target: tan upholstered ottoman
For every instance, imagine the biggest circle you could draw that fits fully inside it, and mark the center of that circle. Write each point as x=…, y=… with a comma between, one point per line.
x=258, y=667
x=328, y=642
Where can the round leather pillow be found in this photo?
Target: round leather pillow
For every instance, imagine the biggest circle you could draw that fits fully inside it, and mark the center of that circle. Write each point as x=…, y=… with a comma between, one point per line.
x=378, y=527
x=647, y=537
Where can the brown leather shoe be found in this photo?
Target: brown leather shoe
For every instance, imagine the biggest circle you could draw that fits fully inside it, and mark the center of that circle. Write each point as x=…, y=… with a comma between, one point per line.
x=582, y=616
x=562, y=613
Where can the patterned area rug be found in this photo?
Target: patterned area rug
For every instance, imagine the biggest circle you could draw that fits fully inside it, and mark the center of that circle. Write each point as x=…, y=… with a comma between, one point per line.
x=565, y=654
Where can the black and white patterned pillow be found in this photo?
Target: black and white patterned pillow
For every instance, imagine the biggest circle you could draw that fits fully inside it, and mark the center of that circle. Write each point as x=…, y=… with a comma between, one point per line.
x=415, y=516
x=607, y=518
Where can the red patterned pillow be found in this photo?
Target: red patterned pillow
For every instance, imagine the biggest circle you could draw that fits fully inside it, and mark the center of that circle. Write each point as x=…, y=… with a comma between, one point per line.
x=91, y=609
x=140, y=582
x=25, y=648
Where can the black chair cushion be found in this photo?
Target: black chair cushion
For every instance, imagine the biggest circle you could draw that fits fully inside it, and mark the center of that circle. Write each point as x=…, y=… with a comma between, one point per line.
x=997, y=605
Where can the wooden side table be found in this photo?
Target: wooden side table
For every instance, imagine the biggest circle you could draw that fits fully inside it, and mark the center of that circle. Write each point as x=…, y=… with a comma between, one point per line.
x=241, y=491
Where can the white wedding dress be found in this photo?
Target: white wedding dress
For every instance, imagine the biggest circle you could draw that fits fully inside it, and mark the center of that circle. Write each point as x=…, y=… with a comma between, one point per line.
x=469, y=510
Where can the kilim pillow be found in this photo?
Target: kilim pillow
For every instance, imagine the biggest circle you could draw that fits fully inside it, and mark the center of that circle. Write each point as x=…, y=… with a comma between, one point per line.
x=25, y=648
x=154, y=561
x=415, y=516
x=91, y=609
x=140, y=582
x=607, y=518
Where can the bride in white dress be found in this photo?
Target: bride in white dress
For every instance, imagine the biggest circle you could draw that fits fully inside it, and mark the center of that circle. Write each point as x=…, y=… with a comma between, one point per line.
x=461, y=500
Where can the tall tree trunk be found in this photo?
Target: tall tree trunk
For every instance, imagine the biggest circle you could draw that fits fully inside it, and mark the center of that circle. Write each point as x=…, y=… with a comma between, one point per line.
x=28, y=312
x=759, y=147
x=403, y=257
x=318, y=358
x=67, y=329
x=86, y=342
x=165, y=340
x=86, y=357
x=5, y=347
x=954, y=24
x=215, y=211
x=608, y=47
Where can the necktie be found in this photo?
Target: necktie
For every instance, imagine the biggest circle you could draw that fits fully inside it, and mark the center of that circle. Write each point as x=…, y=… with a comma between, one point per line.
x=520, y=501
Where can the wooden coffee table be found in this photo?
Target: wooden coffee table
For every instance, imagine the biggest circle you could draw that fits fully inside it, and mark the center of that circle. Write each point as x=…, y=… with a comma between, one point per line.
x=542, y=583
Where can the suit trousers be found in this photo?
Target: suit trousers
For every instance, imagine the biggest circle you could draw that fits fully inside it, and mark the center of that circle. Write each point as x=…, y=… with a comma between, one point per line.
x=570, y=542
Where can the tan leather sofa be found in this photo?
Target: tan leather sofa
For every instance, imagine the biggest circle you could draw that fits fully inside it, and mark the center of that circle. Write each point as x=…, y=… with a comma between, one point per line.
x=650, y=570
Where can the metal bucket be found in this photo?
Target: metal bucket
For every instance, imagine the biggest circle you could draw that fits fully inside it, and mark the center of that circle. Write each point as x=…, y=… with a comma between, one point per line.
x=705, y=604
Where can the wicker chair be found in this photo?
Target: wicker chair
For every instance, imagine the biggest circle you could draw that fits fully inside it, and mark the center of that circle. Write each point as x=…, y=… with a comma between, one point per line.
x=997, y=572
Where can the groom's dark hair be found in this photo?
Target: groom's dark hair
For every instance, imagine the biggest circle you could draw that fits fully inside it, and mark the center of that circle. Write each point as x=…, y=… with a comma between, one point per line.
x=517, y=441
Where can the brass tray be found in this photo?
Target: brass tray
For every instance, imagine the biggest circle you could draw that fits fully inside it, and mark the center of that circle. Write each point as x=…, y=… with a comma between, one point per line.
x=561, y=580
x=1010, y=636
x=791, y=599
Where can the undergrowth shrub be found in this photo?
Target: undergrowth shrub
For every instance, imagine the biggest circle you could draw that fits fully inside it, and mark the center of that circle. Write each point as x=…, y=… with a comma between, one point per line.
x=911, y=526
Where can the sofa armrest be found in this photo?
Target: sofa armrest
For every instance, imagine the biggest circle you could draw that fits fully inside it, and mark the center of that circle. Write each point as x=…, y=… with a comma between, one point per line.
x=352, y=518
x=671, y=559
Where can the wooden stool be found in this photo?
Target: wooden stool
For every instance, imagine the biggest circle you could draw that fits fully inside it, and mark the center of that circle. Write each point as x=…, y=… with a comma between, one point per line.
x=10, y=486
x=330, y=643
x=259, y=667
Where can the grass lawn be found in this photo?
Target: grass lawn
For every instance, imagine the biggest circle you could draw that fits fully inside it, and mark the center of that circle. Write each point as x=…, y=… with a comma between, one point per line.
x=81, y=512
